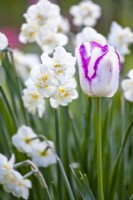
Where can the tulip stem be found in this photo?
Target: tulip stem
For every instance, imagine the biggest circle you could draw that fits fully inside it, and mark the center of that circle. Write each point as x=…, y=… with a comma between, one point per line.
x=99, y=152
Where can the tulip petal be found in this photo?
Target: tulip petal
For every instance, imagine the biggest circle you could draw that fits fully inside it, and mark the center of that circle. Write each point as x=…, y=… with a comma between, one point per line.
x=106, y=80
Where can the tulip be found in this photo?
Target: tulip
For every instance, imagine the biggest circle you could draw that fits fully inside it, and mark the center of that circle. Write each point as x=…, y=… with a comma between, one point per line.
x=99, y=68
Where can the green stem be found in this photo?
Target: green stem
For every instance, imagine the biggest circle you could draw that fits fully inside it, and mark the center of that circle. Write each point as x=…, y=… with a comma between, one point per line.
x=59, y=152
x=8, y=107
x=58, y=133
x=65, y=179
x=99, y=152
x=35, y=171
x=75, y=133
x=21, y=101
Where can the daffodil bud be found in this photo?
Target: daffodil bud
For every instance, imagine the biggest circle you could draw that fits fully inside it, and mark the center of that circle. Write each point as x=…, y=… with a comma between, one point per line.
x=99, y=68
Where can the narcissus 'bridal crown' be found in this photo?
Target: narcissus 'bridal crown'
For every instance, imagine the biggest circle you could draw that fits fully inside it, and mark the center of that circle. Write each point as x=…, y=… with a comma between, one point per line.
x=85, y=13
x=127, y=86
x=99, y=68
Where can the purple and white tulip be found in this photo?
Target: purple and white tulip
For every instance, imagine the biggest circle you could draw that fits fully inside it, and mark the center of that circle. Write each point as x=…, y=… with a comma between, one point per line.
x=99, y=68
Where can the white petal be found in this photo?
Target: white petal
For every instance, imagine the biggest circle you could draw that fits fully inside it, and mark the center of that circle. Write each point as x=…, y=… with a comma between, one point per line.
x=129, y=95
x=107, y=76
x=54, y=103
x=127, y=84
x=3, y=41
x=46, y=60
x=62, y=39
x=130, y=74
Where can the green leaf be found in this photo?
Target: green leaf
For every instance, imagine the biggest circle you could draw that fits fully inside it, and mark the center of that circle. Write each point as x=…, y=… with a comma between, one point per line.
x=83, y=186
x=131, y=197
x=114, y=174
x=126, y=197
x=55, y=192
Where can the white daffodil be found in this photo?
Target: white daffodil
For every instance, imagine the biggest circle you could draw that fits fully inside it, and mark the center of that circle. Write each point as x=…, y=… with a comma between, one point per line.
x=85, y=13
x=45, y=26
x=48, y=39
x=33, y=101
x=127, y=86
x=63, y=26
x=120, y=38
x=22, y=139
x=24, y=63
x=28, y=33
x=43, y=154
x=89, y=34
x=65, y=94
x=17, y=185
x=3, y=41
x=5, y=167
x=43, y=13
x=43, y=80
x=62, y=63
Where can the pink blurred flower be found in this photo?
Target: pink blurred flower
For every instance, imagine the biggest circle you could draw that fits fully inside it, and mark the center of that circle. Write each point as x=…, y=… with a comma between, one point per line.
x=12, y=35
x=33, y=1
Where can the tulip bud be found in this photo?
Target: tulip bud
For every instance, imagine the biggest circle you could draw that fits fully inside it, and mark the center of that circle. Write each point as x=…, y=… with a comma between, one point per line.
x=99, y=68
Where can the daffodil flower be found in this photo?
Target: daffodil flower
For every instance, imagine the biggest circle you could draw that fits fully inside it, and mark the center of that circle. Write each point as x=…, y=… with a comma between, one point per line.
x=43, y=154
x=85, y=13
x=22, y=139
x=127, y=86
x=120, y=38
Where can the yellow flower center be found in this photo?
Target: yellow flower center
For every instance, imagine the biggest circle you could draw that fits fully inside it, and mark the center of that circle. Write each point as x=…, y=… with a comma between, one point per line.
x=44, y=78
x=27, y=140
x=35, y=95
x=44, y=153
x=61, y=90
x=42, y=82
x=60, y=71
x=31, y=34
x=66, y=94
x=57, y=66
x=6, y=166
x=49, y=39
x=20, y=183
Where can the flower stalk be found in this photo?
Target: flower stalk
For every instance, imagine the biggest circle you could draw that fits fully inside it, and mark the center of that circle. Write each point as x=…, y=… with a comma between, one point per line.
x=99, y=151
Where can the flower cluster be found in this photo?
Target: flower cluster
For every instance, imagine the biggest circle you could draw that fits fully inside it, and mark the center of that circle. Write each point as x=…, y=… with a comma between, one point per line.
x=24, y=63
x=54, y=78
x=127, y=86
x=12, y=181
x=85, y=13
x=44, y=25
x=120, y=38
x=41, y=153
